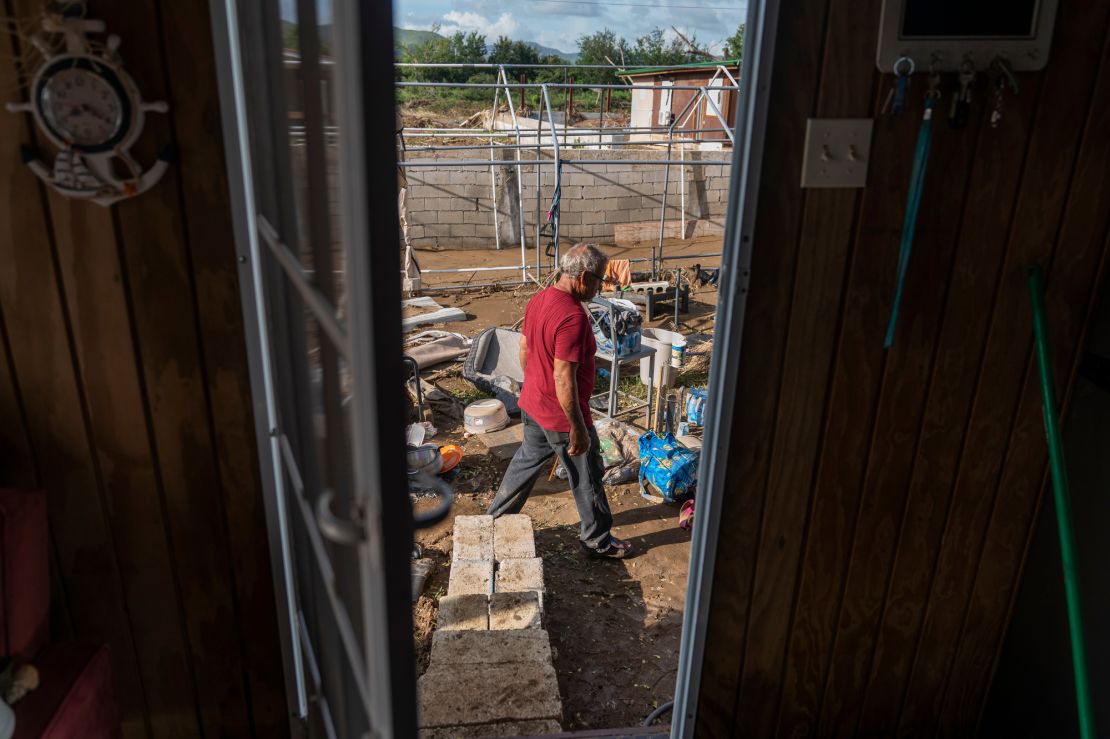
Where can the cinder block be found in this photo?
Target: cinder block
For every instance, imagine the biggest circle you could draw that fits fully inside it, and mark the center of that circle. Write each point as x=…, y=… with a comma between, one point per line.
x=471, y=576
x=496, y=729
x=489, y=647
x=480, y=190
x=628, y=202
x=437, y=177
x=463, y=229
x=472, y=694
x=473, y=538
x=463, y=613
x=590, y=217
x=437, y=230
x=515, y=611
x=516, y=575
x=513, y=537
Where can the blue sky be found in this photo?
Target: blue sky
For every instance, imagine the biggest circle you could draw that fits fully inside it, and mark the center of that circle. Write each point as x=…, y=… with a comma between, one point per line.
x=559, y=23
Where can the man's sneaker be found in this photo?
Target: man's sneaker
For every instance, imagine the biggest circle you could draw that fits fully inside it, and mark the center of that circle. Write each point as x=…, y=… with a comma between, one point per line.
x=617, y=549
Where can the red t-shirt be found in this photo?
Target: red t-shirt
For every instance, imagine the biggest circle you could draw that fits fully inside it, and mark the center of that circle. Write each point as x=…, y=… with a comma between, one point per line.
x=556, y=327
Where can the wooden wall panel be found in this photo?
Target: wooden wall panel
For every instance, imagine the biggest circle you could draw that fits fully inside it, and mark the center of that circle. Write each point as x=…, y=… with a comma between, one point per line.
x=124, y=352
x=767, y=311
x=893, y=493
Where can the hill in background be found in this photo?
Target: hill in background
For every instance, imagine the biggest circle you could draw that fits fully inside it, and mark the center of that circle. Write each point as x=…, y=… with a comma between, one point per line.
x=406, y=37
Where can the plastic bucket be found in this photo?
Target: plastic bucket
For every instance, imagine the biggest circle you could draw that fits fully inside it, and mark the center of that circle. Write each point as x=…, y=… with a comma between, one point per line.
x=660, y=340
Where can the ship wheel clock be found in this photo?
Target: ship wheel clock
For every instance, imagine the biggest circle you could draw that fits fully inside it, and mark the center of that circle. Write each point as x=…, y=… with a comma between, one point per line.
x=91, y=111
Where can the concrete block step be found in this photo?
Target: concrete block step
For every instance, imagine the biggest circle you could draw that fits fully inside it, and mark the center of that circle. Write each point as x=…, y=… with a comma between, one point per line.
x=497, y=729
x=450, y=648
x=471, y=576
x=473, y=538
x=468, y=612
x=513, y=538
x=519, y=575
x=488, y=693
x=515, y=610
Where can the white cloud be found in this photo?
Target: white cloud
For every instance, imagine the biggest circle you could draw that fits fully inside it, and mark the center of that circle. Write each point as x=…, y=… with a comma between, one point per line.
x=505, y=25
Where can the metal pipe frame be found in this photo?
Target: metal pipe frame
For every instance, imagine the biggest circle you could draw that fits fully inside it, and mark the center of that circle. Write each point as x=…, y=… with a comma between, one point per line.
x=517, y=139
x=551, y=163
x=552, y=85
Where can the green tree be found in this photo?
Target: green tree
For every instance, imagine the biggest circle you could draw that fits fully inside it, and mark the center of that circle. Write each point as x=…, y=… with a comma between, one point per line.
x=734, y=44
x=603, y=47
x=458, y=48
x=652, y=50
x=507, y=51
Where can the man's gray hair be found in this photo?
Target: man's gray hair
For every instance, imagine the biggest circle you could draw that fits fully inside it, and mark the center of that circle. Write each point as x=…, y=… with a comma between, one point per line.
x=582, y=258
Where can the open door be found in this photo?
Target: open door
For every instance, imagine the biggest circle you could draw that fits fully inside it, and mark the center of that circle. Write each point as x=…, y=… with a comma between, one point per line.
x=307, y=97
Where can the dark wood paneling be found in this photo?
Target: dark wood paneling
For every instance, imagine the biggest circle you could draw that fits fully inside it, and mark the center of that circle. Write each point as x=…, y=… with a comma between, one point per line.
x=880, y=502
x=125, y=372
x=768, y=310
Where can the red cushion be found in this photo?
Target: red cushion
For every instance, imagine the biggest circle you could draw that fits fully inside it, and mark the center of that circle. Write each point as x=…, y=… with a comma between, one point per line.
x=24, y=573
x=75, y=697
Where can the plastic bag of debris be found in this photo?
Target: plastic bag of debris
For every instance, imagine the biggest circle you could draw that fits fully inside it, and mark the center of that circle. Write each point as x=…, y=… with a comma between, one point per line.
x=620, y=452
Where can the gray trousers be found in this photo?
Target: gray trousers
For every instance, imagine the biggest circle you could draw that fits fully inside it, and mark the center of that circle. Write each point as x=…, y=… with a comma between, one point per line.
x=584, y=474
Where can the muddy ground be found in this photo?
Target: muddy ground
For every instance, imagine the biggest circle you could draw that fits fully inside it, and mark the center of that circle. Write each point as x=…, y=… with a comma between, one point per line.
x=615, y=626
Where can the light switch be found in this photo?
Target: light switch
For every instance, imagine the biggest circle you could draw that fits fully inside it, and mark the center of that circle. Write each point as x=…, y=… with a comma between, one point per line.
x=837, y=153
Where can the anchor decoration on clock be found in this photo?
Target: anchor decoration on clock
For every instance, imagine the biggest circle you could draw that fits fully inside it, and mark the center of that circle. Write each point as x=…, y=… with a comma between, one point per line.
x=91, y=111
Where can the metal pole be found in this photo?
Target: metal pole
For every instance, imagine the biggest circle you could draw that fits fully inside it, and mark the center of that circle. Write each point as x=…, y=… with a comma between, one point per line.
x=519, y=178
x=555, y=198
x=493, y=171
x=483, y=163
x=682, y=191
x=657, y=251
x=1063, y=504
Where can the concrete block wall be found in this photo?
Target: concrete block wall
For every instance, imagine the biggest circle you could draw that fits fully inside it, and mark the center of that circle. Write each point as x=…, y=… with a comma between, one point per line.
x=491, y=671
x=453, y=207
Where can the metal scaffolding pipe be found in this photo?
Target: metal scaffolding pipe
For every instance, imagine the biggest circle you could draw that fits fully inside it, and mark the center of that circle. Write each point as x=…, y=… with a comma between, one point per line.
x=506, y=268
x=553, y=85
x=550, y=162
x=433, y=131
x=576, y=144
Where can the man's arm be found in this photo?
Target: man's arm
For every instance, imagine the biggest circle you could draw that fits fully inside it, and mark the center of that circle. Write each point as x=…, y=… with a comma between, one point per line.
x=566, y=390
x=523, y=352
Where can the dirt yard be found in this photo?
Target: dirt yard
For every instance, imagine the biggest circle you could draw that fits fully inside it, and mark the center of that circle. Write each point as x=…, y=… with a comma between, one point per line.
x=615, y=626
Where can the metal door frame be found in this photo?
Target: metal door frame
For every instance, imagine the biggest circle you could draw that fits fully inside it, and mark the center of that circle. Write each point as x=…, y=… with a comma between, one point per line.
x=271, y=287
x=736, y=259
x=341, y=580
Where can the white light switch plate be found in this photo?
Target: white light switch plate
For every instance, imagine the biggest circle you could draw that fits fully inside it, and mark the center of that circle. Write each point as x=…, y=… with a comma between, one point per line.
x=837, y=153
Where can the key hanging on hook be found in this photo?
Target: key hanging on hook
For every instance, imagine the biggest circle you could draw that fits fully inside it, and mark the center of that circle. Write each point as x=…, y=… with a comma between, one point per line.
x=1003, y=78
x=960, y=113
x=896, y=99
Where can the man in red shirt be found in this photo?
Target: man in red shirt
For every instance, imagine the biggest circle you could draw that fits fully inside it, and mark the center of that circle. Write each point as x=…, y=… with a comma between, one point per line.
x=557, y=353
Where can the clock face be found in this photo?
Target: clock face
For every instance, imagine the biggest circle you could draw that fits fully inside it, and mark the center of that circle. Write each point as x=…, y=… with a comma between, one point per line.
x=82, y=107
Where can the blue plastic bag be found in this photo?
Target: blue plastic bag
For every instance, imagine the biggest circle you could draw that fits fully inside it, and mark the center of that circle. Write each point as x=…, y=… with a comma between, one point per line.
x=695, y=406
x=670, y=467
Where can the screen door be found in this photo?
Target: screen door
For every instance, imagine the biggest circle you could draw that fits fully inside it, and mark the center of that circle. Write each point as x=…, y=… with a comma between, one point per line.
x=307, y=102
